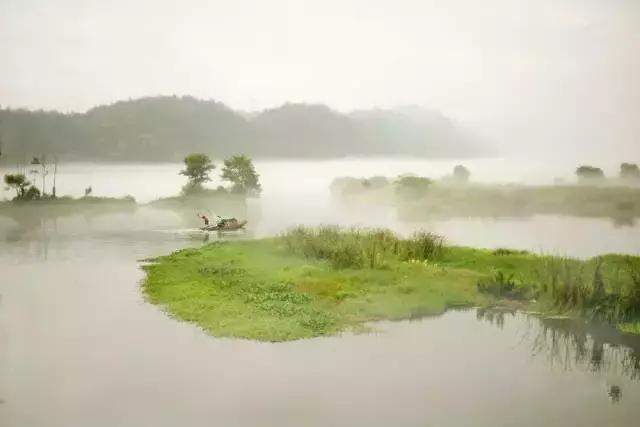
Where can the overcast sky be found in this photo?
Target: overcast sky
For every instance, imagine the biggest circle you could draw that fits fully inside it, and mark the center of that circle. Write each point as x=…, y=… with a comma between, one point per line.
x=536, y=73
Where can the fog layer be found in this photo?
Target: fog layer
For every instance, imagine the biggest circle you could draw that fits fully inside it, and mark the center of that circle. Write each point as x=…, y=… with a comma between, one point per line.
x=530, y=75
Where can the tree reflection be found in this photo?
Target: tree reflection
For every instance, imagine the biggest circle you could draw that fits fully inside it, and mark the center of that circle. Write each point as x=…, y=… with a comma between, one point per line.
x=574, y=344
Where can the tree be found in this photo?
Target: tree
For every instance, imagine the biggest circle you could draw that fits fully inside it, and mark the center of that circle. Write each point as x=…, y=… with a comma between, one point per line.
x=31, y=194
x=461, y=174
x=589, y=173
x=629, y=171
x=18, y=182
x=197, y=168
x=240, y=172
x=412, y=187
x=42, y=162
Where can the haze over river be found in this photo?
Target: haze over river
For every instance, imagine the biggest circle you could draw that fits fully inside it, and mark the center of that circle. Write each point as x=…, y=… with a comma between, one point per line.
x=79, y=346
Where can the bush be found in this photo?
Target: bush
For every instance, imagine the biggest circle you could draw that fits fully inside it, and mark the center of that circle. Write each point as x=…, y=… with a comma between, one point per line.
x=461, y=174
x=361, y=248
x=500, y=285
x=629, y=171
x=589, y=173
x=412, y=187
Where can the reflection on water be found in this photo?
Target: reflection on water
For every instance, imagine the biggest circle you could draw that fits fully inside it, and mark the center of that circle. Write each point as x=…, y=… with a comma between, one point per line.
x=574, y=344
x=79, y=346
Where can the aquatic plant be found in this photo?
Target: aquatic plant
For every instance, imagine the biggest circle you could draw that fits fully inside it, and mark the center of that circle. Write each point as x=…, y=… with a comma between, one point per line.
x=606, y=288
x=357, y=248
x=500, y=285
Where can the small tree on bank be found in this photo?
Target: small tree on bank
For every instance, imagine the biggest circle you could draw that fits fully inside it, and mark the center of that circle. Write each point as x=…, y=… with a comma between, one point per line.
x=461, y=174
x=589, y=173
x=629, y=171
x=240, y=172
x=18, y=182
x=197, y=169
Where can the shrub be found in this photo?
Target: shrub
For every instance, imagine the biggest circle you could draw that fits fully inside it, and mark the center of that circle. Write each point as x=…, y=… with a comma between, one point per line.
x=589, y=173
x=629, y=171
x=461, y=174
x=500, y=285
x=361, y=248
x=412, y=187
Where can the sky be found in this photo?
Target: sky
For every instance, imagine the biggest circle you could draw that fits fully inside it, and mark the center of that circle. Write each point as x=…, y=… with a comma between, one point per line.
x=534, y=75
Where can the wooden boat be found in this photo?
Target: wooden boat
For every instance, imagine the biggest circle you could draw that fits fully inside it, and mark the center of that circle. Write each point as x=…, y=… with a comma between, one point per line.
x=229, y=225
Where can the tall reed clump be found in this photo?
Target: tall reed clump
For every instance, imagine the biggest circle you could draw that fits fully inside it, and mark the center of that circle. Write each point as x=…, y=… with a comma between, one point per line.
x=361, y=248
x=606, y=288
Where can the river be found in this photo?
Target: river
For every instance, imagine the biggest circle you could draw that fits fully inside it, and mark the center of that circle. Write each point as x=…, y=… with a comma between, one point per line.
x=79, y=346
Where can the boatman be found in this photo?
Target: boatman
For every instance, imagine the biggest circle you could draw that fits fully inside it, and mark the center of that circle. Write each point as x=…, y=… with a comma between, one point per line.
x=205, y=219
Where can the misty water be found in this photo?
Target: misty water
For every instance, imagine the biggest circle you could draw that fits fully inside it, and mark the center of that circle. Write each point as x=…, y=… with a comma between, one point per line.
x=79, y=345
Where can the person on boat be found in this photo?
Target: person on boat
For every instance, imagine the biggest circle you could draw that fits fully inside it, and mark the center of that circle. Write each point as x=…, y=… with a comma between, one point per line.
x=205, y=219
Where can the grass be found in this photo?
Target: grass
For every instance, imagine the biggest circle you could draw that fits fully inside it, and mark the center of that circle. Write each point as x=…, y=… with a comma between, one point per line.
x=630, y=327
x=312, y=282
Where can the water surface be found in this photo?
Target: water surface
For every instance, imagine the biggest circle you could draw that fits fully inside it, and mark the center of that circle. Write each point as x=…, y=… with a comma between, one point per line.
x=79, y=346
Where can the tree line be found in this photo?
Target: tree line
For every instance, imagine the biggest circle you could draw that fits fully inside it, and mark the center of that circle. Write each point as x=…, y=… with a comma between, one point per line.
x=629, y=172
x=238, y=172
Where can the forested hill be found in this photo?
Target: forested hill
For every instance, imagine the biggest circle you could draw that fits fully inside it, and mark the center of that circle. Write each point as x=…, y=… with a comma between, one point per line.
x=165, y=128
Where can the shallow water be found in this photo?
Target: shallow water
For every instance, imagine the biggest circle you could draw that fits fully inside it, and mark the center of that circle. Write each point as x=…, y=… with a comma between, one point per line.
x=80, y=347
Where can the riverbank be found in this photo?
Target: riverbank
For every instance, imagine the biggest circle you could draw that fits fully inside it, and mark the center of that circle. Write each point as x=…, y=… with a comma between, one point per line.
x=28, y=211
x=417, y=199
x=315, y=282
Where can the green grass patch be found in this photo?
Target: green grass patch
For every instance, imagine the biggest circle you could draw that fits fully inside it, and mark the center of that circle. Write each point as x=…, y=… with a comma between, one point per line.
x=321, y=281
x=630, y=327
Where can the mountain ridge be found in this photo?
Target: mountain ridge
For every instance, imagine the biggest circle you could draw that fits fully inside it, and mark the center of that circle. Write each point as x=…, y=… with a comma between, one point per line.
x=163, y=128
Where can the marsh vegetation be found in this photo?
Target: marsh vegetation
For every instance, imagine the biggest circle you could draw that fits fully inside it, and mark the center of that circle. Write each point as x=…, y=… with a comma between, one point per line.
x=418, y=198
x=319, y=281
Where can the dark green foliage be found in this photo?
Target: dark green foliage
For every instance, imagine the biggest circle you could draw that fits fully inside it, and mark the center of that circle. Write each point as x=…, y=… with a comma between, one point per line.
x=240, y=172
x=197, y=168
x=629, y=171
x=18, y=182
x=31, y=194
x=589, y=173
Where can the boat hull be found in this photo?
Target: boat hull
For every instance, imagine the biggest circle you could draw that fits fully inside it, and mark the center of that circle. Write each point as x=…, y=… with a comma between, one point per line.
x=237, y=226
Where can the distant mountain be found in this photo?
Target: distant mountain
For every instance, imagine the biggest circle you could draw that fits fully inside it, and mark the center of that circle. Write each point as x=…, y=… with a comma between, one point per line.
x=304, y=130
x=413, y=130
x=166, y=128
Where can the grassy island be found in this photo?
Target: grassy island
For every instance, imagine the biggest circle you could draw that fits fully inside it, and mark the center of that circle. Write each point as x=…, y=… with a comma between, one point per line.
x=419, y=198
x=313, y=282
x=28, y=211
